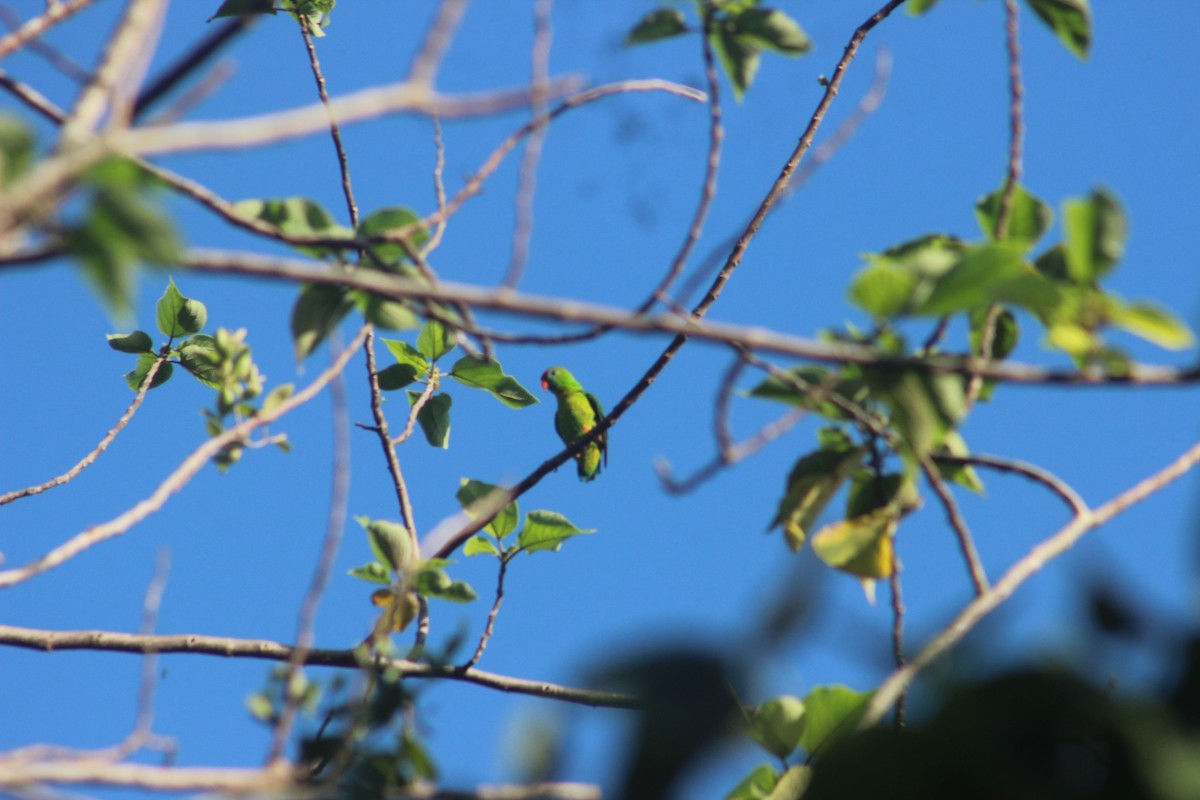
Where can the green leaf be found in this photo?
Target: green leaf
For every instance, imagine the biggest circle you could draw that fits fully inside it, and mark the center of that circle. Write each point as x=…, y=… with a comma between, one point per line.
x=988, y=274
x=434, y=582
x=757, y=785
x=391, y=256
x=924, y=405
x=136, y=342
x=1071, y=21
x=919, y=7
x=546, y=530
x=144, y=361
x=883, y=290
x=832, y=712
x=489, y=376
x=811, y=484
x=238, y=8
x=390, y=542
x=435, y=340
x=200, y=356
x=316, y=314
x=792, y=784
x=1028, y=217
x=274, y=398
x=773, y=30
x=1073, y=339
x=478, y=544
x=661, y=23
x=397, y=376
x=780, y=390
x=777, y=724
x=962, y=474
x=296, y=216
x=18, y=148
x=434, y=418
x=374, y=572
x=1150, y=322
x=472, y=495
x=870, y=492
x=404, y=353
x=1053, y=264
x=260, y=707
x=391, y=315
x=1094, y=236
x=739, y=56
x=177, y=315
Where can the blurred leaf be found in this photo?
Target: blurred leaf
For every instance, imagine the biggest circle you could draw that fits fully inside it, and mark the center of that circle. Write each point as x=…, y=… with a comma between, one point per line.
x=661, y=23
x=1152, y=323
x=546, y=530
x=924, y=405
x=883, y=289
x=390, y=315
x=757, y=785
x=296, y=216
x=260, y=707
x=436, y=583
x=471, y=492
x=177, y=315
x=404, y=353
x=962, y=474
x=373, y=572
x=738, y=54
x=237, y=8
x=831, y=712
x=869, y=492
x=792, y=784
x=399, y=610
x=435, y=340
x=390, y=256
x=275, y=397
x=988, y=274
x=773, y=30
x=397, y=376
x=390, y=542
x=199, y=355
x=778, y=389
x=811, y=484
x=479, y=544
x=1028, y=217
x=18, y=148
x=1094, y=232
x=144, y=361
x=318, y=311
x=136, y=342
x=1071, y=21
x=861, y=546
x=434, y=418
x=777, y=724
x=489, y=376
x=919, y=7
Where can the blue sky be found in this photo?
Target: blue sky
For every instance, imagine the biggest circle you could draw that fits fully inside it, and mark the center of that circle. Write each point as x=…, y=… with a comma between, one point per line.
x=618, y=182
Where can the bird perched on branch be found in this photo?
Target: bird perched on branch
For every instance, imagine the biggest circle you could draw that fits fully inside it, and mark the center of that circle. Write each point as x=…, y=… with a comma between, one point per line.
x=578, y=412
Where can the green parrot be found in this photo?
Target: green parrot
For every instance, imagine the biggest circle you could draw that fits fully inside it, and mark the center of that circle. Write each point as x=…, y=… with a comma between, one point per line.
x=578, y=412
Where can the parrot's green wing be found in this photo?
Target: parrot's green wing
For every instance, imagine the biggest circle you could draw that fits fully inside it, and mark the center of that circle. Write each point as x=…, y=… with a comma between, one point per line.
x=601, y=440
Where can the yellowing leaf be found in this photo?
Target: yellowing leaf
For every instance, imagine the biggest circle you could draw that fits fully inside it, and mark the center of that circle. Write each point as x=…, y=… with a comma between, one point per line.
x=861, y=546
x=399, y=610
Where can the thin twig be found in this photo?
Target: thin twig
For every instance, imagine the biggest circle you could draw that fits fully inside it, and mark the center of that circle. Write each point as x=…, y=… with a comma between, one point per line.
x=1035, y=473
x=966, y=542
x=39, y=25
x=385, y=441
x=262, y=649
x=1037, y=558
x=430, y=387
x=527, y=180
x=334, y=131
x=177, y=479
x=490, y=627
x=335, y=525
x=91, y=457
x=897, y=631
x=439, y=189
x=57, y=59
x=187, y=64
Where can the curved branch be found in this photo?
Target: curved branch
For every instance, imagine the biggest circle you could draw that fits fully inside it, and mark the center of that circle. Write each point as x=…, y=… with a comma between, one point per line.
x=177, y=479
x=1042, y=554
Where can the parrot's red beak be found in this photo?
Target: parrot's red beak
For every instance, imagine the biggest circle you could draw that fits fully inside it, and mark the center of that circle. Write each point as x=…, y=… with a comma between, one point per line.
x=545, y=384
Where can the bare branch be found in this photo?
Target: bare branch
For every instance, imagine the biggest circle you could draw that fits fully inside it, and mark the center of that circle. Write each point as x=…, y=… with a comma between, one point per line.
x=112, y=641
x=91, y=457
x=1025, y=568
x=424, y=68
x=1032, y=472
x=334, y=131
x=177, y=479
x=38, y=25
x=959, y=525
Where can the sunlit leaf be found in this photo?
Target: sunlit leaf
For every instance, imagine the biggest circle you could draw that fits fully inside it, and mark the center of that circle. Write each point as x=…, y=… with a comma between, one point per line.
x=1071, y=21
x=1028, y=217
x=774, y=30
x=546, y=530
x=136, y=342
x=777, y=724
x=662, y=23
x=472, y=495
x=1094, y=232
x=434, y=418
x=831, y=712
x=435, y=340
